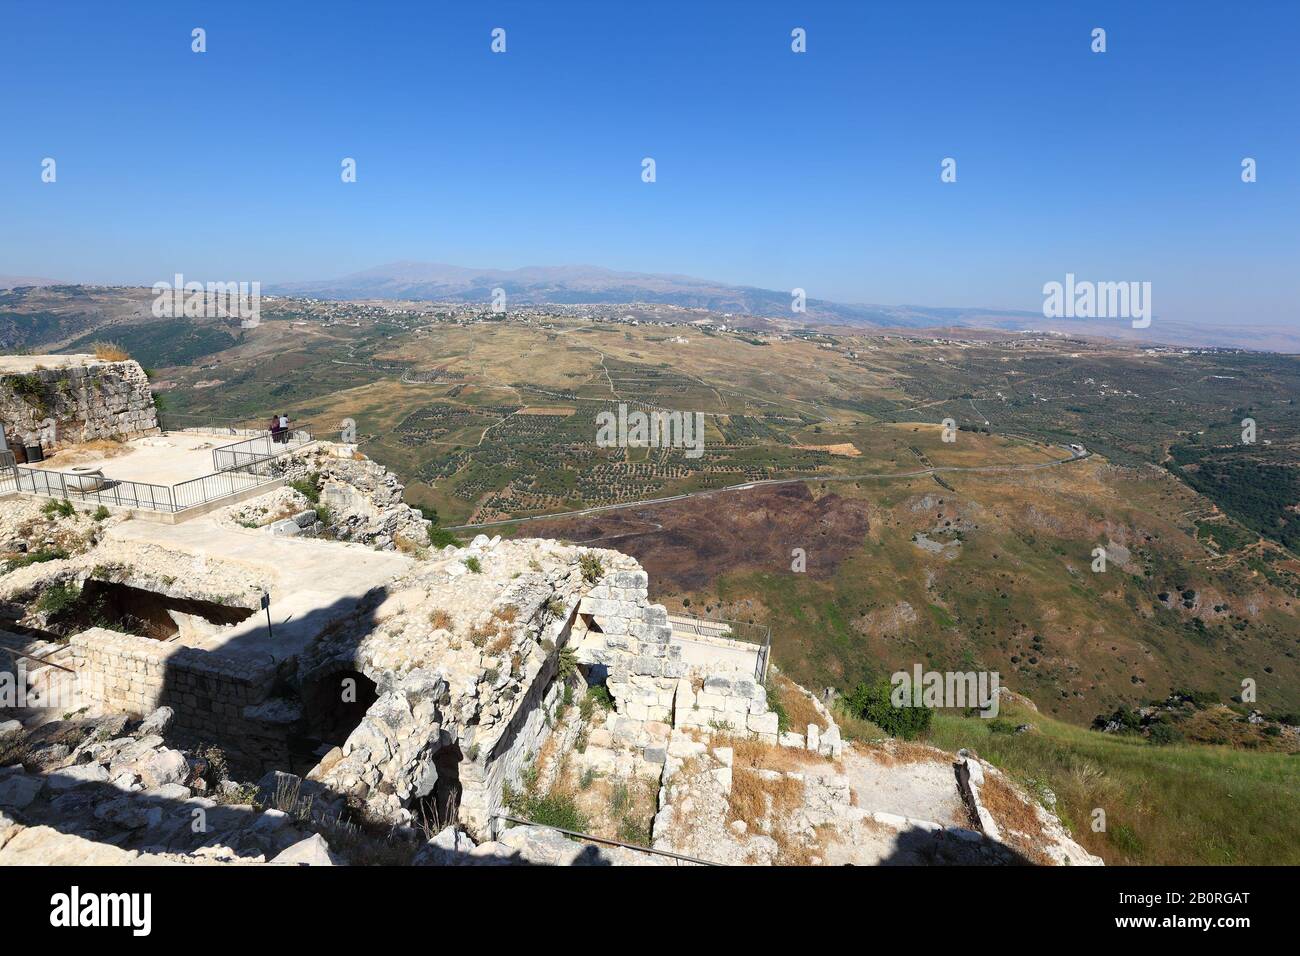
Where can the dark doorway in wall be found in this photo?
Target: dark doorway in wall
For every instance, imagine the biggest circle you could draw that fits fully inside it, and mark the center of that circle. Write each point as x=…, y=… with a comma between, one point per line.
x=439, y=808
x=333, y=706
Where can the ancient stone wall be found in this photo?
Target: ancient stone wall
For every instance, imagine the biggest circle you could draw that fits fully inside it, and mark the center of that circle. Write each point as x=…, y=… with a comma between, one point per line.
x=75, y=403
x=633, y=644
x=726, y=701
x=214, y=698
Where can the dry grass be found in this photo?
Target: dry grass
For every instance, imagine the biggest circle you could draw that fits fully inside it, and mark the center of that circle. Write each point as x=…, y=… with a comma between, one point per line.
x=766, y=804
x=556, y=411
x=843, y=449
x=440, y=620
x=499, y=644
x=406, y=545
x=110, y=352
x=893, y=752
x=1021, y=827
x=798, y=705
x=752, y=753
x=480, y=634
x=756, y=797
x=95, y=450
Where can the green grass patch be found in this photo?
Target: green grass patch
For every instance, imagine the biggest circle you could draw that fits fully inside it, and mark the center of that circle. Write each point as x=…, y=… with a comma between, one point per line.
x=1172, y=804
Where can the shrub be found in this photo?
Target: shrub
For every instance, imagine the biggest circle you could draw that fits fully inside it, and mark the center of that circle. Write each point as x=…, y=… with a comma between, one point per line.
x=555, y=810
x=30, y=389
x=1163, y=734
x=474, y=564
x=774, y=704
x=566, y=664
x=872, y=702
x=62, y=509
x=34, y=557
x=308, y=487
x=592, y=569
x=1197, y=698
x=58, y=598
x=634, y=831
x=441, y=537
x=1129, y=720
x=110, y=352
x=599, y=697
x=100, y=513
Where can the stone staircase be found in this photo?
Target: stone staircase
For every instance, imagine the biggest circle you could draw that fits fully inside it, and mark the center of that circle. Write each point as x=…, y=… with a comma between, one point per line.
x=38, y=674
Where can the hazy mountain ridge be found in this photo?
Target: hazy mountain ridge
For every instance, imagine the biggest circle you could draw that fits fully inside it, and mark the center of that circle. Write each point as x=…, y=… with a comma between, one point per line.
x=540, y=285
x=584, y=284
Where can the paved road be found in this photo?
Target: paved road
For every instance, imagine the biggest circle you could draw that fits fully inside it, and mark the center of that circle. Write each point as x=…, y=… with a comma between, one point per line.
x=749, y=485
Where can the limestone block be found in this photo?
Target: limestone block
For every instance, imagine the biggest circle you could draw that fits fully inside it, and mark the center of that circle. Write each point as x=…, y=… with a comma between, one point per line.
x=717, y=684
x=764, y=724
x=814, y=738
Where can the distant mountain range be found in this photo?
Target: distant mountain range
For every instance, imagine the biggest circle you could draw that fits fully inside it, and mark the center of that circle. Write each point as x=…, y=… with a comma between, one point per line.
x=542, y=285
x=17, y=282
x=579, y=284
x=593, y=285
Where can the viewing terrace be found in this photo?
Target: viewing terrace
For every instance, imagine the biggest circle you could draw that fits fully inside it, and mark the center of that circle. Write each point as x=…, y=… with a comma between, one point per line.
x=167, y=477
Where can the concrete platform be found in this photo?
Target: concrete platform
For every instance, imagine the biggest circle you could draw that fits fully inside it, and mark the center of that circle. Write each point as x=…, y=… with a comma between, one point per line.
x=311, y=582
x=166, y=459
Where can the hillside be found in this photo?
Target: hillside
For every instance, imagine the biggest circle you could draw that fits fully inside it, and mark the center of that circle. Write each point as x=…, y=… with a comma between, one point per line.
x=1182, y=804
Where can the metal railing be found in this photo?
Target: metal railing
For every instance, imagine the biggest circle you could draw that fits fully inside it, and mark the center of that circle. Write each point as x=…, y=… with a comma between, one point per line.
x=247, y=468
x=744, y=632
x=102, y=490
x=578, y=835
x=257, y=448
x=227, y=481
x=8, y=472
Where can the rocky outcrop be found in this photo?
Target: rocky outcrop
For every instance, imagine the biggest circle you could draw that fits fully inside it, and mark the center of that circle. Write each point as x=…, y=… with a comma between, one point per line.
x=464, y=652
x=363, y=498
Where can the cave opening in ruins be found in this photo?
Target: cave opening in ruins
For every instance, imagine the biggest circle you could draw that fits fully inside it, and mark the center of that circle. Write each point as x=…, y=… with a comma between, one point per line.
x=132, y=610
x=333, y=706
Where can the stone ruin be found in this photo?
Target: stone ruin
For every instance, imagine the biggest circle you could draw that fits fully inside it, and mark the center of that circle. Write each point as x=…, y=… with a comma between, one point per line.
x=60, y=400
x=412, y=693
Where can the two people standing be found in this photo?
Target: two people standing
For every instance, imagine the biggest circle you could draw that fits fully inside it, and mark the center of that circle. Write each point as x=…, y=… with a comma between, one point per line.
x=279, y=428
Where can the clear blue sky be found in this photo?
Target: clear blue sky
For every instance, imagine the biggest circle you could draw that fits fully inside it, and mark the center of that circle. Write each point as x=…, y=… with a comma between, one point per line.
x=774, y=169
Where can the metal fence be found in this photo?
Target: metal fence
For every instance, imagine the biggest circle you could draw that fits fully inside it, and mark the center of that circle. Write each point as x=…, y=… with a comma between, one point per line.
x=259, y=448
x=244, y=468
x=104, y=491
x=227, y=481
x=759, y=635
x=8, y=472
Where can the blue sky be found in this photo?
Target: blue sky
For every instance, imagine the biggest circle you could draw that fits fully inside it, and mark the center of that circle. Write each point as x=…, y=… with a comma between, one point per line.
x=818, y=170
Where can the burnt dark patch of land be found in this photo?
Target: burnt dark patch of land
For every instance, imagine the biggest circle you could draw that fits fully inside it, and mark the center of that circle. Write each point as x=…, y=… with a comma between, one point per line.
x=685, y=544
